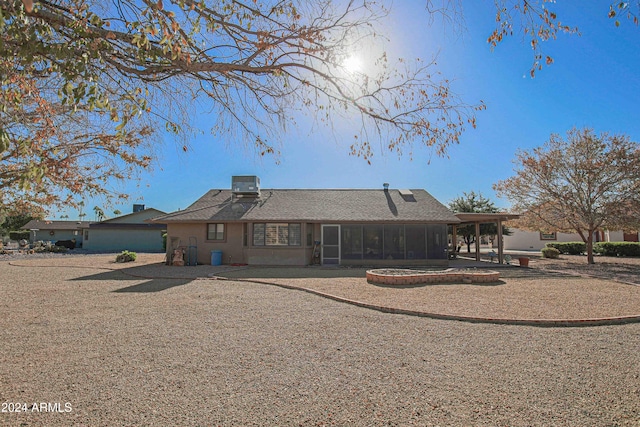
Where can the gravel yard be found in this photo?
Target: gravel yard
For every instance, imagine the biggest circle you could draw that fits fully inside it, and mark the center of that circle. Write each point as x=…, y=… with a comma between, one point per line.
x=149, y=350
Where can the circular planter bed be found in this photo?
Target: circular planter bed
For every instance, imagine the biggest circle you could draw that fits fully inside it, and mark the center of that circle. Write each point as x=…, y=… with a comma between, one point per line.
x=406, y=277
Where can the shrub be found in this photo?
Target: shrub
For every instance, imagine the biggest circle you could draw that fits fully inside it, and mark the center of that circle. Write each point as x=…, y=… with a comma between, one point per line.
x=42, y=246
x=58, y=249
x=550, y=253
x=569, y=248
x=631, y=249
x=126, y=256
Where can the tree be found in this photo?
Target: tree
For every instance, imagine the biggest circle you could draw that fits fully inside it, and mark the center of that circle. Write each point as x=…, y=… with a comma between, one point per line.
x=534, y=19
x=85, y=84
x=579, y=184
x=15, y=222
x=99, y=213
x=477, y=203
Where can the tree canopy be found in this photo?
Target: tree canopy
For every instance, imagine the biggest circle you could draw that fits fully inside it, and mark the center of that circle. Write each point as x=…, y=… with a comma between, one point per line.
x=475, y=203
x=580, y=184
x=85, y=84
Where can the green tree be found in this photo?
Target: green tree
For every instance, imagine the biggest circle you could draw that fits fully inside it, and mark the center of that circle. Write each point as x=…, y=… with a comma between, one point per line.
x=15, y=222
x=475, y=203
x=99, y=213
x=85, y=84
x=578, y=185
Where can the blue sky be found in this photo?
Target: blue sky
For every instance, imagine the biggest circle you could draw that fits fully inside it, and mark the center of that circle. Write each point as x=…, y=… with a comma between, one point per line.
x=594, y=82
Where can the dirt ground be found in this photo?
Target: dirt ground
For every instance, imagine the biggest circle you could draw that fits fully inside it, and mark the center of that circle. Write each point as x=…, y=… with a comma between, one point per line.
x=617, y=268
x=87, y=342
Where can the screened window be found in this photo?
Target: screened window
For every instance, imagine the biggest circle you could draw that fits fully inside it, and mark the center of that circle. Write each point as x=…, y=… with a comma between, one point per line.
x=309, y=234
x=373, y=237
x=351, y=242
x=277, y=234
x=416, y=242
x=215, y=231
x=394, y=242
x=436, y=241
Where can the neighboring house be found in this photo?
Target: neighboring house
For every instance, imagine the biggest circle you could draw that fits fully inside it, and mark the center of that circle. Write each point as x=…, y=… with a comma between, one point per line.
x=47, y=230
x=283, y=226
x=127, y=232
x=534, y=241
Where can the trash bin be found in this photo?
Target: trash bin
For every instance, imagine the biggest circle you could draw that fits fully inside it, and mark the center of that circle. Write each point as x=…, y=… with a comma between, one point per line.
x=216, y=257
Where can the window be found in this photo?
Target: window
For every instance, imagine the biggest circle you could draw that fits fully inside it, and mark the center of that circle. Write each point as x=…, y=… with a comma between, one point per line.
x=436, y=241
x=547, y=236
x=394, y=242
x=309, y=234
x=215, y=231
x=373, y=236
x=351, y=242
x=86, y=235
x=277, y=234
x=416, y=242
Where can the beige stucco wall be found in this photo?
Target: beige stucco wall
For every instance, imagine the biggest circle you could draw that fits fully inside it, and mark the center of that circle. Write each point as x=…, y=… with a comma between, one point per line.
x=233, y=249
x=187, y=234
x=530, y=240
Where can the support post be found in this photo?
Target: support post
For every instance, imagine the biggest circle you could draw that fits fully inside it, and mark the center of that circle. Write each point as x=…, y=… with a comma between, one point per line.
x=500, y=248
x=477, y=241
x=454, y=237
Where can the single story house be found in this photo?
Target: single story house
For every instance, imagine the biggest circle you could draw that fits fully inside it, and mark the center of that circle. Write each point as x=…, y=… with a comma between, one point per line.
x=536, y=240
x=52, y=231
x=130, y=232
x=250, y=225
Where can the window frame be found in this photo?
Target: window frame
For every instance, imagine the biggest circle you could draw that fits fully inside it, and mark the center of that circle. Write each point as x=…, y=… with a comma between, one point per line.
x=271, y=230
x=224, y=232
x=549, y=236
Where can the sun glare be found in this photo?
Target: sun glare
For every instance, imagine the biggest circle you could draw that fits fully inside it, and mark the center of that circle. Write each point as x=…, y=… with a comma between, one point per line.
x=353, y=64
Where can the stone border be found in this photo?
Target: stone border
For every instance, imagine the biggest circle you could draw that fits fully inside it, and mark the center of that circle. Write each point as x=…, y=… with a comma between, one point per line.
x=401, y=277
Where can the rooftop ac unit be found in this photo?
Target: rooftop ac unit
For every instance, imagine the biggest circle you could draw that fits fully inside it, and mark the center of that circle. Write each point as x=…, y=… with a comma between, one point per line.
x=245, y=185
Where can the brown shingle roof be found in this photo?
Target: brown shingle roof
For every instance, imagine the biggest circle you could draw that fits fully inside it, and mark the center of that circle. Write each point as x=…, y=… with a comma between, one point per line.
x=55, y=225
x=316, y=205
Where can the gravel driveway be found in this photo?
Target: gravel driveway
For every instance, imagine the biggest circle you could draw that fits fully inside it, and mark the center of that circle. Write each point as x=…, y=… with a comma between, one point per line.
x=121, y=350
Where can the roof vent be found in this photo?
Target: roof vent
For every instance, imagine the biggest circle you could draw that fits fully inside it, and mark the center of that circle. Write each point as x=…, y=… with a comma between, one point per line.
x=245, y=185
x=407, y=195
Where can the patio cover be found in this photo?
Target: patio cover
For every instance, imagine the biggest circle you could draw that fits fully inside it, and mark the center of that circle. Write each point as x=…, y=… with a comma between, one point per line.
x=476, y=219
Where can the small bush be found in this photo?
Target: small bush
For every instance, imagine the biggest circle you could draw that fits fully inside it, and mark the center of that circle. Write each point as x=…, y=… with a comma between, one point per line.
x=42, y=246
x=631, y=249
x=58, y=249
x=126, y=256
x=550, y=253
x=569, y=248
